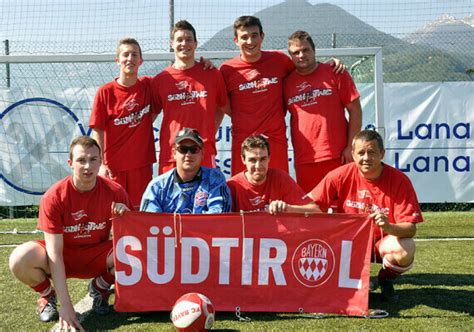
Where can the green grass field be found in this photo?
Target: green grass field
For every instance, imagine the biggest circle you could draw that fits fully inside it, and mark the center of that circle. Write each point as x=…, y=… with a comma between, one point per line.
x=437, y=294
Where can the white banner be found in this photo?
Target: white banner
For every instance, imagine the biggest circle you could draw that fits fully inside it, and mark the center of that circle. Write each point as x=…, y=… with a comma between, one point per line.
x=428, y=135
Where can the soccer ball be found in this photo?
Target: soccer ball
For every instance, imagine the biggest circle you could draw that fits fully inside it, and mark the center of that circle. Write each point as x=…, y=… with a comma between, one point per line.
x=192, y=312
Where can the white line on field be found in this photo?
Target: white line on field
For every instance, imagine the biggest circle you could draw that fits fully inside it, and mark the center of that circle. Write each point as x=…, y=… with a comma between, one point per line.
x=446, y=239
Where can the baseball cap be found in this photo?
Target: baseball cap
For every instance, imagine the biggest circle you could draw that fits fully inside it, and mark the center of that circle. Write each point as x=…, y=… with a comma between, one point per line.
x=190, y=134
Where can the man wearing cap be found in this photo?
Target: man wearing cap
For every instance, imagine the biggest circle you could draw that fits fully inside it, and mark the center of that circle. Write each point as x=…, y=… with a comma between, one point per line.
x=189, y=187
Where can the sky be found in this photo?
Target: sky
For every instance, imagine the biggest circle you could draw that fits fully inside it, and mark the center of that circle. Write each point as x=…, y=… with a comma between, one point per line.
x=40, y=21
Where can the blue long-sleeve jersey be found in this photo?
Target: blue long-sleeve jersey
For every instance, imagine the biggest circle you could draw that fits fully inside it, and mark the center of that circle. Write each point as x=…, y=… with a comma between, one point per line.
x=207, y=193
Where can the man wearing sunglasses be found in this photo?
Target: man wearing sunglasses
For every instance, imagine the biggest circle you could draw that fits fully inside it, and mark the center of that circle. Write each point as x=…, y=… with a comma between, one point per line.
x=189, y=187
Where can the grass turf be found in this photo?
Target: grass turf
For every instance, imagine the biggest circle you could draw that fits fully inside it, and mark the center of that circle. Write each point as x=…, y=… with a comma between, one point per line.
x=436, y=295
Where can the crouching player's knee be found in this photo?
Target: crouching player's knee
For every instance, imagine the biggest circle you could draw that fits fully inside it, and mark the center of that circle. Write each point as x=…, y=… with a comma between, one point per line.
x=398, y=253
x=28, y=262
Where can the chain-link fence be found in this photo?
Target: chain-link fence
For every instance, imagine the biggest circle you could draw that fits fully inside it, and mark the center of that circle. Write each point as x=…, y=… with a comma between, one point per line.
x=422, y=41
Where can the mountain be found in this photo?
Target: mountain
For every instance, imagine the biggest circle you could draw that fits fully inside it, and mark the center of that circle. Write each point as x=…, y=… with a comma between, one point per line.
x=404, y=60
x=447, y=33
x=320, y=20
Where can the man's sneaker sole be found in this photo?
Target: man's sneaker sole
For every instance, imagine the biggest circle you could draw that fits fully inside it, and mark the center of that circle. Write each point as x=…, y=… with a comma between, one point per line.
x=373, y=284
x=47, y=309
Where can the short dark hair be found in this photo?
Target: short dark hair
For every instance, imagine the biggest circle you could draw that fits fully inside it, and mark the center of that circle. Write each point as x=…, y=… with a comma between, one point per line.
x=129, y=41
x=183, y=25
x=84, y=141
x=247, y=21
x=301, y=36
x=367, y=136
x=255, y=142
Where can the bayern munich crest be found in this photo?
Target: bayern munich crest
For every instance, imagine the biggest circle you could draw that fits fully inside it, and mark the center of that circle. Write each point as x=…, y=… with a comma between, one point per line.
x=313, y=263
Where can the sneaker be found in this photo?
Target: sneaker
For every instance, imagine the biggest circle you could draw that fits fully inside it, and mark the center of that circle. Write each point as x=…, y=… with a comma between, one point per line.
x=100, y=301
x=388, y=291
x=47, y=309
x=373, y=284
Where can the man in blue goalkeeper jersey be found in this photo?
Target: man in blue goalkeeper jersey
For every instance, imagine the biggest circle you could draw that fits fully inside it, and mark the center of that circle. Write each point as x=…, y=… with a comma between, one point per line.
x=189, y=187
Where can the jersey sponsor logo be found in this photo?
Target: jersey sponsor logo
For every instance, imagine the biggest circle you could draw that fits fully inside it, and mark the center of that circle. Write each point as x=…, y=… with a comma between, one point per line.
x=84, y=229
x=78, y=215
x=133, y=119
x=200, y=199
x=366, y=207
x=313, y=262
x=309, y=98
x=188, y=97
x=259, y=85
x=130, y=105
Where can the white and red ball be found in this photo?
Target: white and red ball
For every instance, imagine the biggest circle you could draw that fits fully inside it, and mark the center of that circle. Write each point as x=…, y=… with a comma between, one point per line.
x=193, y=312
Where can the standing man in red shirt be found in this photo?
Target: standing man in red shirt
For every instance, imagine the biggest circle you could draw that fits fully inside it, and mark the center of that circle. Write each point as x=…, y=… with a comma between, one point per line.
x=254, y=81
x=190, y=95
x=122, y=123
x=317, y=99
x=75, y=216
x=260, y=188
x=369, y=186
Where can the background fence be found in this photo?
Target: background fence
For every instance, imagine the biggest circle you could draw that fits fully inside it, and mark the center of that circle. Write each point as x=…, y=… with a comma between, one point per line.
x=422, y=41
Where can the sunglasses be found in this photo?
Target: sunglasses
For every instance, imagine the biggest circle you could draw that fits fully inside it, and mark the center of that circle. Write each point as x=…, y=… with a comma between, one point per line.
x=193, y=149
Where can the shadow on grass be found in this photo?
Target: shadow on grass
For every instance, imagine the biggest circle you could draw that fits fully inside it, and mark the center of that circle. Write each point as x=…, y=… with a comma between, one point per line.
x=429, y=294
x=122, y=319
x=428, y=279
x=432, y=292
x=439, y=298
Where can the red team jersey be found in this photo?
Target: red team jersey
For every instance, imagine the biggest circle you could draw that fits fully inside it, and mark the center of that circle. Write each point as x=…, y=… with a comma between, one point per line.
x=278, y=186
x=125, y=116
x=317, y=105
x=392, y=193
x=82, y=217
x=256, y=97
x=189, y=98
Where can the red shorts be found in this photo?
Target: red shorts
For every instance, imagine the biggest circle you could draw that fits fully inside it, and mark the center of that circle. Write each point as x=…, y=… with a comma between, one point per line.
x=134, y=182
x=207, y=161
x=85, y=262
x=278, y=157
x=309, y=175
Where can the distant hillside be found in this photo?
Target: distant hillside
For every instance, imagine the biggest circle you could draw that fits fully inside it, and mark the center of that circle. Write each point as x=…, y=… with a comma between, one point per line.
x=320, y=20
x=404, y=60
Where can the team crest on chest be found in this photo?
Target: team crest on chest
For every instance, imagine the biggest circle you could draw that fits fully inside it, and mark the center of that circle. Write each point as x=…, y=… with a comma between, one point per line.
x=182, y=85
x=256, y=201
x=251, y=74
x=200, y=199
x=303, y=86
x=130, y=105
x=363, y=193
x=78, y=215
